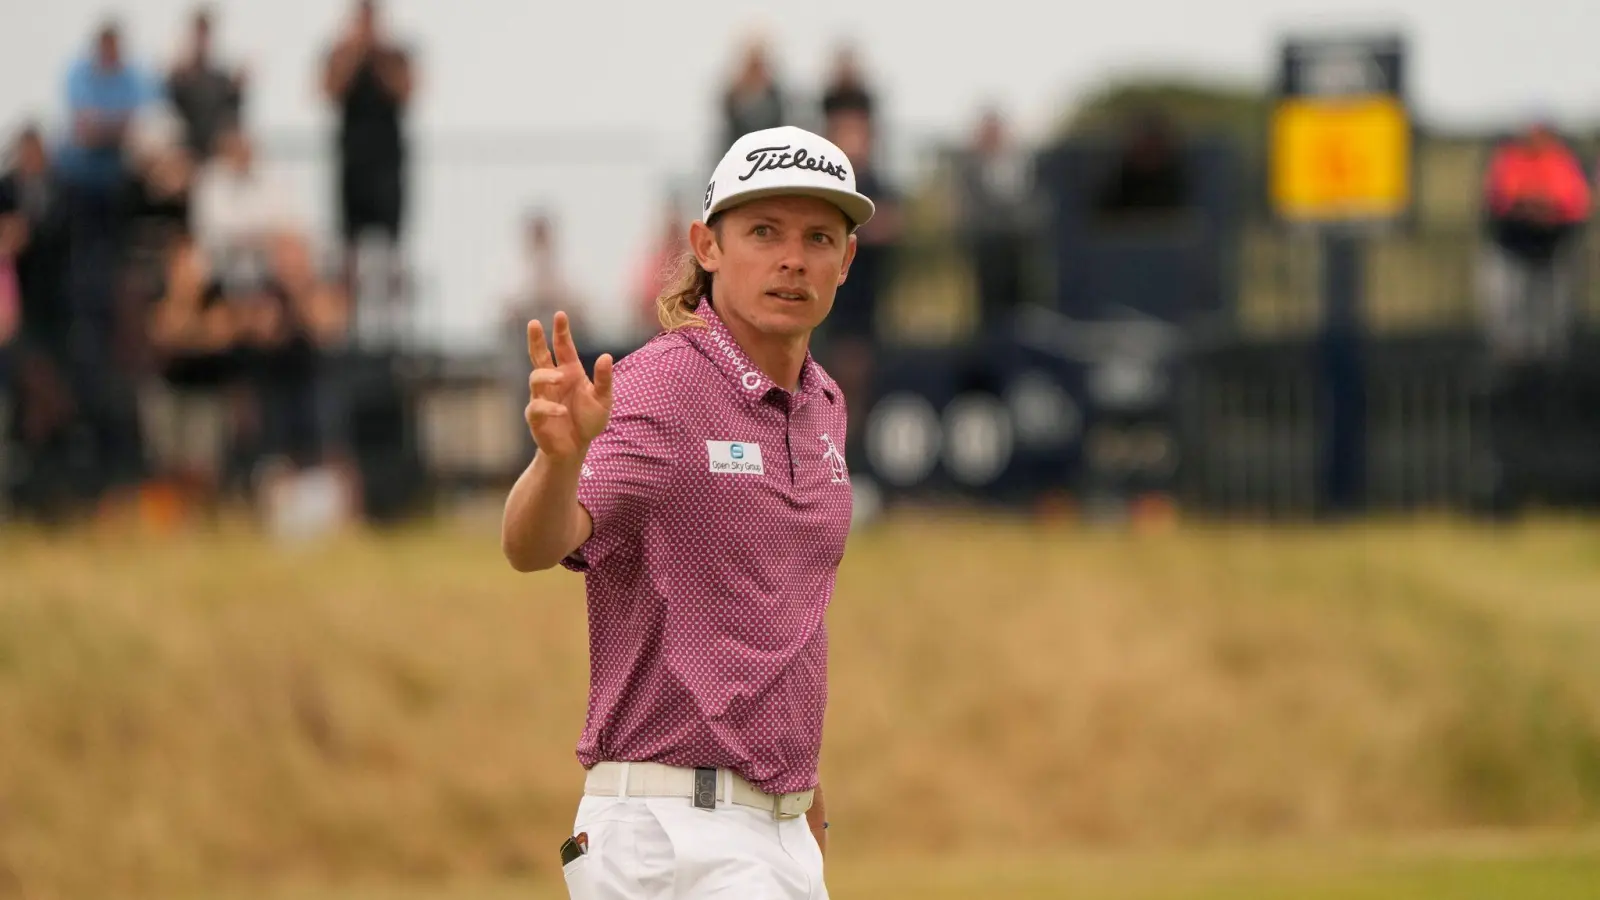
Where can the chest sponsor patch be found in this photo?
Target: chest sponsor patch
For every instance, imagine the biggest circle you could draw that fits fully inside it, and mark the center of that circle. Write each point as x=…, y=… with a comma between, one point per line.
x=734, y=457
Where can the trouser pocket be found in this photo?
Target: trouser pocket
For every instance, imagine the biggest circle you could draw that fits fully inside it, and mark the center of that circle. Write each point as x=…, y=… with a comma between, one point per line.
x=580, y=881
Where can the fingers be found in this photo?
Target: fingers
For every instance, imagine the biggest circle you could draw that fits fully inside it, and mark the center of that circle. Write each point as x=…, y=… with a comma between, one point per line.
x=566, y=351
x=602, y=378
x=545, y=378
x=540, y=410
x=538, y=350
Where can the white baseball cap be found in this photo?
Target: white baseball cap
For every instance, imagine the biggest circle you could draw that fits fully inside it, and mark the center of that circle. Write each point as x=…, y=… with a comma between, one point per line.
x=781, y=162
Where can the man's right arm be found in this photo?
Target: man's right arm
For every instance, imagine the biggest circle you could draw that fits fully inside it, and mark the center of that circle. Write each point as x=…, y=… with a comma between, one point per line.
x=544, y=522
x=337, y=70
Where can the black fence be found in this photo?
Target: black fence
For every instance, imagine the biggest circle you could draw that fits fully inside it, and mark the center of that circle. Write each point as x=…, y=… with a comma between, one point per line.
x=1238, y=429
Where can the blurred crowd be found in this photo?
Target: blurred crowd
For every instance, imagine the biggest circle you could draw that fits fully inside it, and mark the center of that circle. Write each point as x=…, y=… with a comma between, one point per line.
x=167, y=314
x=165, y=310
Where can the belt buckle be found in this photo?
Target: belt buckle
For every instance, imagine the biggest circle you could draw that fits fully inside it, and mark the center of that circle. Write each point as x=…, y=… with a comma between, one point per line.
x=705, y=788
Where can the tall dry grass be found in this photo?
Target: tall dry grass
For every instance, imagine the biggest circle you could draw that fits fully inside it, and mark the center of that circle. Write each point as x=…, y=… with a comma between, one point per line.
x=203, y=710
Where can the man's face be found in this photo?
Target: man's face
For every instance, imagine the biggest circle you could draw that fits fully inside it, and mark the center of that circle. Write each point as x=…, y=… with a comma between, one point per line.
x=30, y=154
x=851, y=132
x=202, y=36
x=778, y=262
x=366, y=21
x=109, y=50
x=991, y=133
x=537, y=233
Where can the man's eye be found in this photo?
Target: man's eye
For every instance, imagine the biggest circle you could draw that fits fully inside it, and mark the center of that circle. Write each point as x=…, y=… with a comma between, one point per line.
x=761, y=231
x=822, y=237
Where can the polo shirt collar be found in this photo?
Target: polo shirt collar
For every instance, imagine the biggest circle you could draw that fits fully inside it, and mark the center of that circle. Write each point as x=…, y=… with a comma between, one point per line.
x=718, y=344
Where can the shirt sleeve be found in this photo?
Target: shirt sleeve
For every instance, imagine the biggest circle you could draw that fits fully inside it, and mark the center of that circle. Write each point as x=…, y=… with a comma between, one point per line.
x=629, y=466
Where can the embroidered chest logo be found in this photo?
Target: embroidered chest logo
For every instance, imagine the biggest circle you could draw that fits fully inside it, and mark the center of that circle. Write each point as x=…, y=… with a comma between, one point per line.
x=835, y=460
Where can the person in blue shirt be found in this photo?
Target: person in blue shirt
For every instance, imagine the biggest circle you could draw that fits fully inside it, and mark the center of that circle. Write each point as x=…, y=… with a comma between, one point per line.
x=104, y=93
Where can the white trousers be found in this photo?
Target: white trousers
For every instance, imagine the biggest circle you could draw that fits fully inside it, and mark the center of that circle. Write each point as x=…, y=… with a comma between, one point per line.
x=663, y=848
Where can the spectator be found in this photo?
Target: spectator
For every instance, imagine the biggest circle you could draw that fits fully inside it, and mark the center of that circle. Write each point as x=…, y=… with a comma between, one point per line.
x=11, y=231
x=34, y=238
x=543, y=288
x=302, y=410
x=206, y=95
x=34, y=251
x=755, y=100
x=193, y=334
x=240, y=211
x=851, y=329
x=161, y=169
x=157, y=204
x=370, y=81
x=10, y=319
x=10, y=295
x=256, y=344
x=1150, y=177
x=223, y=288
x=104, y=93
x=1537, y=199
x=847, y=90
x=856, y=304
x=655, y=268
x=997, y=215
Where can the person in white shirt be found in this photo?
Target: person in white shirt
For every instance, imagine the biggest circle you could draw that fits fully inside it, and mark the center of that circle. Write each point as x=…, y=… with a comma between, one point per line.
x=240, y=211
x=542, y=287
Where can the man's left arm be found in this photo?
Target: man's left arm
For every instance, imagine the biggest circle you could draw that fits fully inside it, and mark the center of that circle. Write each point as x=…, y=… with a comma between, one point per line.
x=817, y=818
x=394, y=70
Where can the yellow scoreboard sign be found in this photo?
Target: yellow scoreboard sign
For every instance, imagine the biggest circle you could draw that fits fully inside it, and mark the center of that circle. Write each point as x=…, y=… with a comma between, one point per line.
x=1340, y=143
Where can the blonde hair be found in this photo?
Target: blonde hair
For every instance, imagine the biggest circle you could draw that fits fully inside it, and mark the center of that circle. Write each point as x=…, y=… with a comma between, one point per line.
x=690, y=283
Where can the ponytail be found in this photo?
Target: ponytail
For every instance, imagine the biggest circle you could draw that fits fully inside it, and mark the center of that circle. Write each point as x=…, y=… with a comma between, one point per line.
x=690, y=283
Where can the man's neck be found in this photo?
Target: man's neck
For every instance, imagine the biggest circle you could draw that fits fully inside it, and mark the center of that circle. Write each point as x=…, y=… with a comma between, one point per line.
x=779, y=358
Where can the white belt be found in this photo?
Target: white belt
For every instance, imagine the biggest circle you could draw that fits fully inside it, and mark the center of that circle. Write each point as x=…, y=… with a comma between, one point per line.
x=644, y=779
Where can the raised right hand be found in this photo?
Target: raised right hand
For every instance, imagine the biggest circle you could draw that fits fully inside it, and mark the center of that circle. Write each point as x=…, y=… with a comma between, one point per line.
x=566, y=411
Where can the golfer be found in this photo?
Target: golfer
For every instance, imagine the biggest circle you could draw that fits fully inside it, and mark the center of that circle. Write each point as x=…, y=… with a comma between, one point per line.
x=700, y=488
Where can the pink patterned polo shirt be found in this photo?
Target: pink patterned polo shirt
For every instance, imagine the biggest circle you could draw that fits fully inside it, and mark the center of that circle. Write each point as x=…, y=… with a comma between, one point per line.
x=721, y=505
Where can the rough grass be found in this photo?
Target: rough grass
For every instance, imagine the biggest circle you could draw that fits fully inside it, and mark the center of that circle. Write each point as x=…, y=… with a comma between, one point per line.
x=182, y=714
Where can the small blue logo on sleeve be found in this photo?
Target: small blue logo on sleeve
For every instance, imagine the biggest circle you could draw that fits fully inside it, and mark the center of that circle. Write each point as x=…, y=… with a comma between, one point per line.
x=736, y=451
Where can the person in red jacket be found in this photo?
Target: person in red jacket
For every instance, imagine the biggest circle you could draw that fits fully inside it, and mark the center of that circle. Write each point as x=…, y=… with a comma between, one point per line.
x=1538, y=199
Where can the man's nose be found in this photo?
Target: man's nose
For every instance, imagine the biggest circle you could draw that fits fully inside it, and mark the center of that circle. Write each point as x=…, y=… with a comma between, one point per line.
x=793, y=257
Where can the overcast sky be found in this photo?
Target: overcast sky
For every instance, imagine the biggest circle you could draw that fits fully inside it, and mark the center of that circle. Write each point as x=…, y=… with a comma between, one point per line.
x=651, y=68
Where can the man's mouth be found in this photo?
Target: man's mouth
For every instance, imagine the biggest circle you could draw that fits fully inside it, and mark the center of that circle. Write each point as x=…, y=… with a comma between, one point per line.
x=792, y=296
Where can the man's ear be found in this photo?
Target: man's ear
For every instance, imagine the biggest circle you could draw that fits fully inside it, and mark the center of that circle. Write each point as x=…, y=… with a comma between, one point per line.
x=849, y=257
x=703, y=241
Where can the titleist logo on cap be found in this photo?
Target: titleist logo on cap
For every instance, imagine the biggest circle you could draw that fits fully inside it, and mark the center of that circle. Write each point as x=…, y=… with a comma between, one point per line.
x=764, y=159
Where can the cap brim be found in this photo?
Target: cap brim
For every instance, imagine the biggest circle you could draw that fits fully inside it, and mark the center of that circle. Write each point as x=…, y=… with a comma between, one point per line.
x=856, y=207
